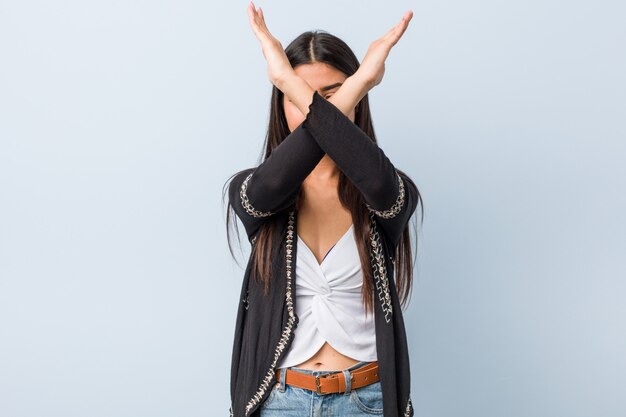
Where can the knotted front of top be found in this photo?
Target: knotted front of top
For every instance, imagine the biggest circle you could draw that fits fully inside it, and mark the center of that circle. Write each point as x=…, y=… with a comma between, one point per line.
x=329, y=304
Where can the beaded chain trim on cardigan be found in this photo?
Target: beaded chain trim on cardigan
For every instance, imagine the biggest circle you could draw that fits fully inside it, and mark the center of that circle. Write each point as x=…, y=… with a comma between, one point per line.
x=379, y=269
x=246, y=203
x=409, y=408
x=397, y=206
x=270, y=375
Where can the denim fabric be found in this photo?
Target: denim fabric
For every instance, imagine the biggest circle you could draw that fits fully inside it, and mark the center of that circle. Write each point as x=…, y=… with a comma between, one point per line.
x=286, y=400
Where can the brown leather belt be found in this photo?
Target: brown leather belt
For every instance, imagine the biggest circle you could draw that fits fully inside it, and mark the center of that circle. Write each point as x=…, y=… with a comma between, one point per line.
x=331, y=383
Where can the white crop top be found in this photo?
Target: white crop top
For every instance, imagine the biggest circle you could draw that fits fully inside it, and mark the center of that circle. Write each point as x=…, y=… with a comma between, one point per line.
x=329, y=304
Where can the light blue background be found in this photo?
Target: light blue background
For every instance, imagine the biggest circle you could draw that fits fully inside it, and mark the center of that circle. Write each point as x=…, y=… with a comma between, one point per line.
x=120, y=122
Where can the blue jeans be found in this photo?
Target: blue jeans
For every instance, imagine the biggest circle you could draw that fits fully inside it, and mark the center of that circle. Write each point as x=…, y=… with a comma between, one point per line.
x=286, y=400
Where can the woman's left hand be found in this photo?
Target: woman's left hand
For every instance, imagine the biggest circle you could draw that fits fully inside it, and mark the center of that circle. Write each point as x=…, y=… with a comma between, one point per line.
x=372, y=67
x=278, y=66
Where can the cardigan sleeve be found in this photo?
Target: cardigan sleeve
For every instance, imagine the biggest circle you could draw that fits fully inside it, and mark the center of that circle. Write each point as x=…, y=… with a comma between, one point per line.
x=391, y=196
x=258, y=193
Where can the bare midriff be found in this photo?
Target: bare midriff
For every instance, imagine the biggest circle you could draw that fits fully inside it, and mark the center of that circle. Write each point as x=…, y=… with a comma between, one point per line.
x=327, y=359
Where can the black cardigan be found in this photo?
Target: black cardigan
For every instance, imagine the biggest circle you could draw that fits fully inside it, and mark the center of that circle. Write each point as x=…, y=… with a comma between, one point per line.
x=265, y=324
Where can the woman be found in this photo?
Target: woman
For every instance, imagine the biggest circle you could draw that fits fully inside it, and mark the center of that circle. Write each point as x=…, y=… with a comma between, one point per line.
x=319, y=326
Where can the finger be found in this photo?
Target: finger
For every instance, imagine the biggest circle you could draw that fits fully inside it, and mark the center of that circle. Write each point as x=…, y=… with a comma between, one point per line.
x=391, y=32
x=251, y=17
x=262, y=24
x=262, y=20
x=254, y=12
x=386, y=35
x=398, y=30
x=256, y=29
x=404, y=23
x=400, y=27
x=251, y=12
x=257, y=17
x=254, y=20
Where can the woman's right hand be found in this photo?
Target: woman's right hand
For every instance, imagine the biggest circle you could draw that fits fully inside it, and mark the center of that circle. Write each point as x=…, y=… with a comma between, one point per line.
x=278, y=66
x=372, y=67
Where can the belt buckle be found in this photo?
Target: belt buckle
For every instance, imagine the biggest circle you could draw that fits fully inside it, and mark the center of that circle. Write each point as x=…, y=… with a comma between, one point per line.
x=317, y=386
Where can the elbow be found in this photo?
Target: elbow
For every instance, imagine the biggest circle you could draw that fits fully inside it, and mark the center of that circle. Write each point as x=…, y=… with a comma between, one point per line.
x=262, y=194
x=386, y=194
x=254, y=197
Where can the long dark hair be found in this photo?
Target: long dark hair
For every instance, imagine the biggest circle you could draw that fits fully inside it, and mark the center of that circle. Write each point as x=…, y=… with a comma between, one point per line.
x=308, y=48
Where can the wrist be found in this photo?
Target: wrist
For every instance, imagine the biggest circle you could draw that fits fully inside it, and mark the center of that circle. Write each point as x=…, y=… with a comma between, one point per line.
x=283, y=80
x=357, y=87
x=296, y=89
x=365, y=82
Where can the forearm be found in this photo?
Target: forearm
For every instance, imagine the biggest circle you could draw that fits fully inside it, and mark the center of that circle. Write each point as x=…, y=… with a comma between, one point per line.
x=354, y=152
x=262, y=191
x=391, y=197
x=278, y=177
x=349, y=94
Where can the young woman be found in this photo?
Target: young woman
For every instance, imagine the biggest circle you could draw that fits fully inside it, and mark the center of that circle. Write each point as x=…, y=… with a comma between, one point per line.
x=319, y=327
